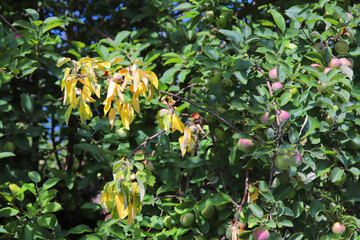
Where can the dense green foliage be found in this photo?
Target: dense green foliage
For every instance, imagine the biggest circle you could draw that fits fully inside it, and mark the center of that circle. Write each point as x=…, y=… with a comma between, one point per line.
x=281, y=157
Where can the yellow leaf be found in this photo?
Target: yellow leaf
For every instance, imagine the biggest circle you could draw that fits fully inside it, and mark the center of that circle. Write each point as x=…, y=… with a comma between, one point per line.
x=107, y=106
x=111, y=89
x=115, y=60
x=181, y=142
x=143, y=77
x=135, y=76
x=142, y=89
x=127, y=79
x=119, y=201
x=123, y=71
x=67, y=114
x=255, y=195
x=66, y=75
x=62, y=61
x=139, y=62
x=106, y=65
x=151, y=94
x=152, y=78
x=112, y=117
x=131, y=216
x=135, y=102
x=127, y=115
x=85, y=112
x=176, y=124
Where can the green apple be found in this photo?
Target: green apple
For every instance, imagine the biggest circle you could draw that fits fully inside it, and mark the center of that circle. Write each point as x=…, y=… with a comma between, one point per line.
x=291, y=195
x=210, y=16
x=208, y=212
x=221, y=22
x=123, y=133
x=291, y=46
x=9, y=147
x=215, y=77
x=294, y=91
x=319, y=48
x=167, y=222
x=282, y=161
x=187, y=219
x=341, y=47
x=219, y=133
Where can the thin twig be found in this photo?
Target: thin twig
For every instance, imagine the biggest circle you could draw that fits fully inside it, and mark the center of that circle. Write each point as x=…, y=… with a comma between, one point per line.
x=204, y=109
x=189, y=86
x=101, y=33
x=145, y=142
x=8, y=23
x=245, y=194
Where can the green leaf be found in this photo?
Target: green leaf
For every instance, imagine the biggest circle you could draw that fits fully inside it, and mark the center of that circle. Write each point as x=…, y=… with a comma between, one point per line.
x=285, y=98
x=256, y=210
x=279, y=20
x=313, y=56
x=337, y=174
x=80, y=229
x=232, y=35
x=183, y=6
x=6, y=154
x=8, y=212
x=309, y=127
x=296, y=236
x=326, y=101
x=51, y=207
x=210, y=52
x=34, y=176
x=34, y=14
x=50, y=183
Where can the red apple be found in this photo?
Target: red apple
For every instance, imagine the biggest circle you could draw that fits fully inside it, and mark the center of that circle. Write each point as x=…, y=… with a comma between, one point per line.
x=276, y=86
x=296, y=160
x=17, y=36
x=117, y=77
x=261, y=234
x=334, y=63
x=338, y=228
x=273, y=73
x=245, y=144
x=284, y=116
x=347, y=62
x=316, y=65
x=327, y=69
x=265, y=118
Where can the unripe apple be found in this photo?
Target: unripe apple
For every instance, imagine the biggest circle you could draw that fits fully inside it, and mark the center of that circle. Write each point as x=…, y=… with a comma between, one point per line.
x=265, y=118
x=341, y=47
x=296, y=160
x=282, y=161
x=221, y=22
x=167, y=222
x=276, y=87
x=215, y=77
x=9, y=147
x=291, y=195
x=347, y=62
x=334, y=63
x=200, y=238
x=273, y=74
x=123, y=133
x=194, y=129
x=117, y=77
x=291, y=46
x=187, y=219
x=338, y=228
x=284, y=116
x=219, y=133
x=210, y=16
x=261, y=234
x=319, y=48
x=163, y=112
x=245, y=144
x=294, y=91
x=208, y=212
x=149, y=166
x=341, y=181
x=327, y=69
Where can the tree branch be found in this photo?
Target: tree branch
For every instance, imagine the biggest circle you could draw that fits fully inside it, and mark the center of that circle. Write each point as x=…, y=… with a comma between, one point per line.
x=144, y=143
x=245, y=194
x=8, y=23
x=204, y=109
